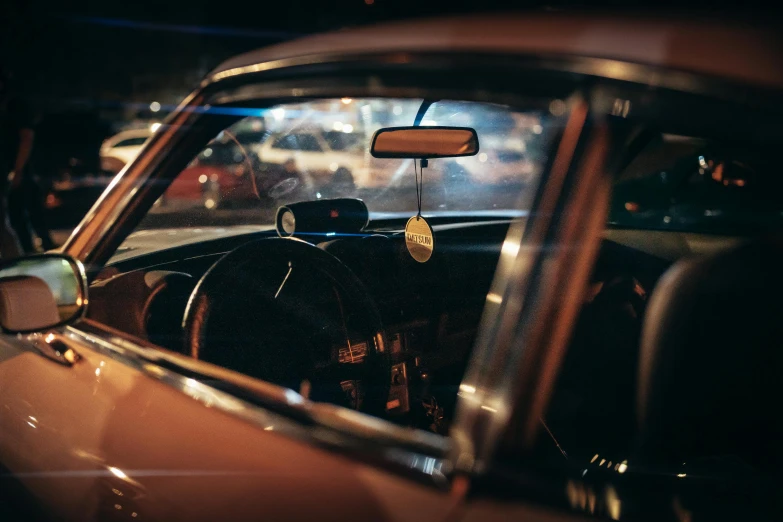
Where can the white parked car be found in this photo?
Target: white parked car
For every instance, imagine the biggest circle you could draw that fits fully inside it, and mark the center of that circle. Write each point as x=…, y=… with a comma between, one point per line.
x=320, y=156
x=122, y=148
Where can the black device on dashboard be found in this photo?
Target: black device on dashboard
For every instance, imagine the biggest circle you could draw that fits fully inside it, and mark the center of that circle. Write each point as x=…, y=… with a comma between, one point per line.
x=325, y=216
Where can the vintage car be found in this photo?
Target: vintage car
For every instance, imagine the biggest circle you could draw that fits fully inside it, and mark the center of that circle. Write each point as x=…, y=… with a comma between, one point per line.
x=424, y=351
x=318, y=153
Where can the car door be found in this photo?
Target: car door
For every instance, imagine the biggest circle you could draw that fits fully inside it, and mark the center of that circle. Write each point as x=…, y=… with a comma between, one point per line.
x=127, y=430
x=105, y=439
x=172, y=437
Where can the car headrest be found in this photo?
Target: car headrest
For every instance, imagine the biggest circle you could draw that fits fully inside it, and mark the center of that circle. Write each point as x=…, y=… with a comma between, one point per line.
x=711, y=364
x=26, y=302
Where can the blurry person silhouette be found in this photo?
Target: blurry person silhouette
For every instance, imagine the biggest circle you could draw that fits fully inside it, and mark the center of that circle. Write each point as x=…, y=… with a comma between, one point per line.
x=10, y=137
x=341, y=185
x=24, y=199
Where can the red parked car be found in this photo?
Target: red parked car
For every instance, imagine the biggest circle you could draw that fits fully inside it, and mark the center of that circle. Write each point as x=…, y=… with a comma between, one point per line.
x=219, y=176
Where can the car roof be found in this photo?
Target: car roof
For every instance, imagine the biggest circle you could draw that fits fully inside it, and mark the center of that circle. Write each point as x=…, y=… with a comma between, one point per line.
x=728, y=50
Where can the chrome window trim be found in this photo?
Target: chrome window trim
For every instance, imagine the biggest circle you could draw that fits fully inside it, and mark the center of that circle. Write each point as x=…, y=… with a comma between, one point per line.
x=423, y=455
x=527, y=322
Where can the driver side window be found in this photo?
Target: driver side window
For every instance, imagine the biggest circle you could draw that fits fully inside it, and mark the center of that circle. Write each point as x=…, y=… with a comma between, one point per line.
x=695, y=185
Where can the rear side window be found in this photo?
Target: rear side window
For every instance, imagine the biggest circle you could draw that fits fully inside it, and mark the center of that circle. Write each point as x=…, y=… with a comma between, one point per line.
x=694, y=185
x=299, y=142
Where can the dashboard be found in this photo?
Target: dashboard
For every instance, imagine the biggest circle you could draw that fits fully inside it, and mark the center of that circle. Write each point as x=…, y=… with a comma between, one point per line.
x=430, y=311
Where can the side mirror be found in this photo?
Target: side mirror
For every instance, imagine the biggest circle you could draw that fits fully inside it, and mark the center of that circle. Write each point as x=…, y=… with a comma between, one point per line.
x=39, y=292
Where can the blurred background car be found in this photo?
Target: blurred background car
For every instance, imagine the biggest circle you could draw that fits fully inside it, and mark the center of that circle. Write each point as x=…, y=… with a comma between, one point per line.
x=122, y=148
x=222, y=175
x=336, y=160
x=68, y=200
x=320, y=155
x=684, y=183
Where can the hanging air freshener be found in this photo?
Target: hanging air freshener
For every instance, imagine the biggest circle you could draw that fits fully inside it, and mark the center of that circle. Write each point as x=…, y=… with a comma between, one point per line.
x=418, y=233
x=418, y=239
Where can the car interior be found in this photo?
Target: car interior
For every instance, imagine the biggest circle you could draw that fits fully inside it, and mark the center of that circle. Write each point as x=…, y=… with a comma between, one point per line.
x=334, y=293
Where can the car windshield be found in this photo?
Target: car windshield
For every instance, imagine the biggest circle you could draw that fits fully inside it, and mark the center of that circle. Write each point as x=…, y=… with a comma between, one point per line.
x=321, y=149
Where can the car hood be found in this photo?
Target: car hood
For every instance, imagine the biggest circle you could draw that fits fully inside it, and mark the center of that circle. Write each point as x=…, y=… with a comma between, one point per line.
x=154, y=240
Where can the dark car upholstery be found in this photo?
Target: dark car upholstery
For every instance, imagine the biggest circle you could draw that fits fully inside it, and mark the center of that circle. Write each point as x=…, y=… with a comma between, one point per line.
x=711, y=359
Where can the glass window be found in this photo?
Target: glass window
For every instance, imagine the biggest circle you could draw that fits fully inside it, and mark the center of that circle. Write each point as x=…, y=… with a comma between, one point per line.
x=680, y=282
x=231, y=192
x=243, y=169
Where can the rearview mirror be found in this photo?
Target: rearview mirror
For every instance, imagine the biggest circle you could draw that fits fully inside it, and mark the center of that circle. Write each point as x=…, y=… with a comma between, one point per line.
x=424, y=142
x=39, y=292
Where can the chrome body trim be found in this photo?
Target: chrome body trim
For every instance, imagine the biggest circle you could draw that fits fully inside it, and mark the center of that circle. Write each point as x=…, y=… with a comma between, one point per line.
x=424, y=454
x=485, y=393
x=52, y=346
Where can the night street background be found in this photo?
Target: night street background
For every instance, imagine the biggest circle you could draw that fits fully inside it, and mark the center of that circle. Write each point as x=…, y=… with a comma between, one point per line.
x=92, y=68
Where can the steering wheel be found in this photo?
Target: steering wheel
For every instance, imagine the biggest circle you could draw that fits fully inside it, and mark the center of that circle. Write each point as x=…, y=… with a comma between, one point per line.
x=285, y=311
